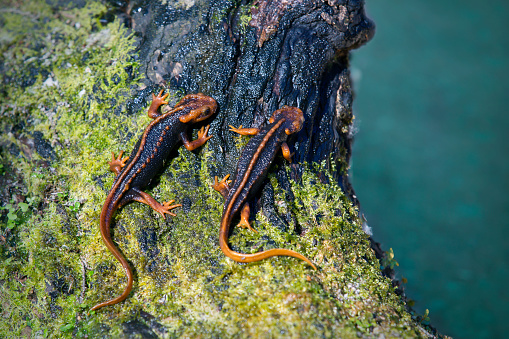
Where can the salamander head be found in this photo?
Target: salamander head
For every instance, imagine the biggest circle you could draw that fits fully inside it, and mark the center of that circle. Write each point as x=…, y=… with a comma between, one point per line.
x=199, y=106
x=294, y=118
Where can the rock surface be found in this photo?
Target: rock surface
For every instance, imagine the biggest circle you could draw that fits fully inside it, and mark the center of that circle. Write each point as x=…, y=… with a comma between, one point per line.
x=76, y=80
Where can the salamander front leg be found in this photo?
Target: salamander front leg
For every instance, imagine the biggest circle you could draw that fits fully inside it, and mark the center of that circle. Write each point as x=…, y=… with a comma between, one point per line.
x=116, y=164
x=157, y=101
x=162, y=209
x=286, y=152
x=202, y=138
x=245, y=131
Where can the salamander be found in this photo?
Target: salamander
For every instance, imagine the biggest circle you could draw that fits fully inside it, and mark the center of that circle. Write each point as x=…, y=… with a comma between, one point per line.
x=135, y=172
x=252, y=169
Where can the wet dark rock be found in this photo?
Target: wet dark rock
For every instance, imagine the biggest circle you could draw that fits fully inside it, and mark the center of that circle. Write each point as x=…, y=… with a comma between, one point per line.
x=148, y=242
x=267, y=203
x=289, y=52
x=140, y=99
x=152, y=322
x=186, y=204
x=14, y=150
x=137, y=329
x=43, y=147
x=59, y=282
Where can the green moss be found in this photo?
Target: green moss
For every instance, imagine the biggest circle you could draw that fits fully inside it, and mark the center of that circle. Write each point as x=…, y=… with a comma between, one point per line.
x=65, y=77
x=245, y=17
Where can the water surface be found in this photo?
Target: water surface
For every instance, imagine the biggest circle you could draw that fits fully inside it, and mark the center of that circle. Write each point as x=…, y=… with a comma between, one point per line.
x=431, y=158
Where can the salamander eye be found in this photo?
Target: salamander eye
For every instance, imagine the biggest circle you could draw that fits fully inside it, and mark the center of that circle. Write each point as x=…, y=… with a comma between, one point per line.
x=205, y=113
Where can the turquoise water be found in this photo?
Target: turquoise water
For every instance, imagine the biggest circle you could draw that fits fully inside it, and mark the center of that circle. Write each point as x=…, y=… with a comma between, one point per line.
x=431, y=158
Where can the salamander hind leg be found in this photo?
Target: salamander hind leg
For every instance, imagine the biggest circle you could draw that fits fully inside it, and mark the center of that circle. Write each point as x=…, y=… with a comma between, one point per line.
x=162, y=209
x=222, y=186
x=244, y=218
x=116, y=164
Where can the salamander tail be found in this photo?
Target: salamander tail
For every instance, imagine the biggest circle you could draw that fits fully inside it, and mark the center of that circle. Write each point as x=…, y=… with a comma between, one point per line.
x=241, y=257
x=105, y=233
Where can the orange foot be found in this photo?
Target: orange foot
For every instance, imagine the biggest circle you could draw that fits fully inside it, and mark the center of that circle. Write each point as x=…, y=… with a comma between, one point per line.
x=157, y=101
x=166, y=207
x=244, y=218
x=202, y=134
x=244, y=131
x=202, y=138
x=116, y=164
x=243, y=223
x=223, y=186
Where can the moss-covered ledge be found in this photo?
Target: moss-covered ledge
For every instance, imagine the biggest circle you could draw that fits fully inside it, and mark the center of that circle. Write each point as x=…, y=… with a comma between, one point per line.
x=67, y=81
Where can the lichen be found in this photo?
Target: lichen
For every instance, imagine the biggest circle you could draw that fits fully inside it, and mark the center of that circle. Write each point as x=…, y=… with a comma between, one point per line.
x=68, y=75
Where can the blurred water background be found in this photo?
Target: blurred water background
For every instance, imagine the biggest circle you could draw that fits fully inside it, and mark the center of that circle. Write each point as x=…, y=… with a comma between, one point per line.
x=431, y=158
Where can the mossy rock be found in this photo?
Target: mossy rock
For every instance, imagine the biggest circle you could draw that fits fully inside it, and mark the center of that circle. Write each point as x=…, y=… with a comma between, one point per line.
x=68, y=79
